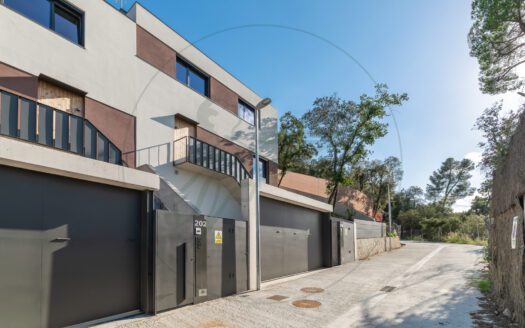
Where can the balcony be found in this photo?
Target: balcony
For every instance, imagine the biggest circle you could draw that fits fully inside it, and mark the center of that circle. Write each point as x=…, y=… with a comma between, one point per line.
x=31, y=121
x=189, y=150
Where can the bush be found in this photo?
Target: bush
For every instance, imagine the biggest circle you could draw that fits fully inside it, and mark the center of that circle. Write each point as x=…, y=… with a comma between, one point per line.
x=461, y=238
x=392, y=234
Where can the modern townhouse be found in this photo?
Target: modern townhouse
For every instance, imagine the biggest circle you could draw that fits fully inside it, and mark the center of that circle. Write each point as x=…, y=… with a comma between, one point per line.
x=126, y=166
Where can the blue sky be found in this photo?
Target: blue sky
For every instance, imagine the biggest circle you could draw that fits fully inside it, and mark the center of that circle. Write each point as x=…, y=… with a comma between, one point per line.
x=418, y=47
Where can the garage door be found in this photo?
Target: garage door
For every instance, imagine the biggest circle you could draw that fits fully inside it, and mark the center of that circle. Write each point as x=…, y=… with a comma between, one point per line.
x=291, y=239
x=69, y=250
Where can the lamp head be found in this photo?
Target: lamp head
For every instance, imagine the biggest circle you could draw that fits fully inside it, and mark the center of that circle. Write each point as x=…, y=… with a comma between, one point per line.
x=263, y=103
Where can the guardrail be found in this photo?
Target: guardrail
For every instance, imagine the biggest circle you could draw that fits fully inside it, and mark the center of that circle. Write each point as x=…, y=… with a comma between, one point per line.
x=31, y=121
x=188, y=149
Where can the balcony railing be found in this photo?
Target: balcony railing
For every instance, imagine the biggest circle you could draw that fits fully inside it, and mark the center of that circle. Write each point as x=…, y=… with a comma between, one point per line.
x=187, y=149
x=31, y=121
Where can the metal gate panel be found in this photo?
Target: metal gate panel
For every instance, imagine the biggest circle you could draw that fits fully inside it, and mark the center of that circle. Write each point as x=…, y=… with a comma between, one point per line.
x=88, y=238
x=272, y=252
x=295, y=251
x=282, y=252
x=20, y=252
x=346, y=238
x=226, y=258
x=174, y=258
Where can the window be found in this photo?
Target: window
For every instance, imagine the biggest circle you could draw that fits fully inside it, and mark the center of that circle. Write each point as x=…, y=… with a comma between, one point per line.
x=54, y=14
x=68, y=23
x=246, y=112
x=263, y=169
x=191, y=77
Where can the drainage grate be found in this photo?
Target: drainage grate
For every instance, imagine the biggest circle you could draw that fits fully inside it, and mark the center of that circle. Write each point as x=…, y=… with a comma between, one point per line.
x=312, y=290
x=306, y=304
x=388, y=289
x=277, y=298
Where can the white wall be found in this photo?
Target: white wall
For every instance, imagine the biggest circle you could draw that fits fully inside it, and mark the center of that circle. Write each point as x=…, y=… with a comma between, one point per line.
x=208, y=194
x=109, y=71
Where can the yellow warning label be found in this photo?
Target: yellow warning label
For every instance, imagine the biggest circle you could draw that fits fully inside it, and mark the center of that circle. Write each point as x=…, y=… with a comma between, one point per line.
x=218, y=237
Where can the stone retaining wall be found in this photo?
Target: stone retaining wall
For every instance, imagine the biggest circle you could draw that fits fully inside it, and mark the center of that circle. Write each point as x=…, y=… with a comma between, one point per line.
x=372, y=246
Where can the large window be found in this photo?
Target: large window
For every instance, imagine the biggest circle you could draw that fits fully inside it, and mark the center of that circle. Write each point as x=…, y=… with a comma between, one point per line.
x=54, y=14
x=191, y=77
x=246, y=112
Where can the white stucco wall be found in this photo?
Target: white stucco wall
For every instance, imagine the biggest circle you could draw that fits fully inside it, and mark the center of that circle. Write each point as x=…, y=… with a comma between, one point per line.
x=109, y=71
x=207, y=194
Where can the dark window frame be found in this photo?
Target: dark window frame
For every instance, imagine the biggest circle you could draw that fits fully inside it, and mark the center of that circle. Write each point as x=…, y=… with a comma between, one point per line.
x=248, y=106
x=192, y=68
x=73, y=11
x=67, y=8
x=265, y=169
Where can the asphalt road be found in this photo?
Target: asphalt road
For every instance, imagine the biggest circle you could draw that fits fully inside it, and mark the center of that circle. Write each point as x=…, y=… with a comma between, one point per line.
x=431, y=288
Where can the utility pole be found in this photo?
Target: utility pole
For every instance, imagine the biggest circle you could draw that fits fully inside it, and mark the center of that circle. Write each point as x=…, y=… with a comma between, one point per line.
x=389, y=209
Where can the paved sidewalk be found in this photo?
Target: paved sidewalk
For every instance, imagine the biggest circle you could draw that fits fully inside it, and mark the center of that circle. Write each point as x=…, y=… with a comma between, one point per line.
x=431, y=289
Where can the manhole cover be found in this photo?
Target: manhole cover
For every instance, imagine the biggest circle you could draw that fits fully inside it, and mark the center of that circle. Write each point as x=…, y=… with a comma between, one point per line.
x=277, y=297
x=312, y=290
x=306, y=304
x=388, y=289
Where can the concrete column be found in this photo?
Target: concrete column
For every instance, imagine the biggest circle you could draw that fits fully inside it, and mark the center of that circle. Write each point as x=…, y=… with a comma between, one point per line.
x=248, y=214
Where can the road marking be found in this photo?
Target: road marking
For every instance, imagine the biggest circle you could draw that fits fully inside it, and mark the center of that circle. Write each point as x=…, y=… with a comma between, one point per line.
x=355, y=314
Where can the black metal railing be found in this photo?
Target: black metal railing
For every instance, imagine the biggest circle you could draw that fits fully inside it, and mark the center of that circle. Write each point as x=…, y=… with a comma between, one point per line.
x=210, y=157
x=35, y=122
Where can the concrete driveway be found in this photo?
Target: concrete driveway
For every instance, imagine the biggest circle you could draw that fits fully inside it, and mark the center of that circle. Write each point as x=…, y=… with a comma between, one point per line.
x=430, y=287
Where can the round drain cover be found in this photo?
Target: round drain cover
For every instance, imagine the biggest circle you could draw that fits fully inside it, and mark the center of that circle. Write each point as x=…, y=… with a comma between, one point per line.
x=312, y=290
x=306, y=304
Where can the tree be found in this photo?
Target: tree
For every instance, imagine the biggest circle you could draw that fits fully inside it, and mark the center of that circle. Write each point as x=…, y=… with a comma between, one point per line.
x=374, y=178
x=497, y=40
x=497, y=130
x=480, y=206
x=450, y=182
x=345, y=128
x=294, y=150
x=406, y=199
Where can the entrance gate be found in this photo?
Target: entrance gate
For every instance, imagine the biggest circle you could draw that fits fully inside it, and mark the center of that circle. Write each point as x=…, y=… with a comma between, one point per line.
x=198, y=258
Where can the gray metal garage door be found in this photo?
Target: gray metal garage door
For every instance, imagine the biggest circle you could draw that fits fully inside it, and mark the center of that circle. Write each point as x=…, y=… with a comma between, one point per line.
x=69, y=250
x=291, y=239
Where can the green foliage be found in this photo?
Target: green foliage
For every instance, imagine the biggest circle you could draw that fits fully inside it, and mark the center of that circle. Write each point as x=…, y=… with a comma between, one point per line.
x=392, y=234
x=450, y=182
x=441, y=224
x=374, y=178
x=497, y=40
x=294, y=150
x=460, y=238
x=480, y=206
x=497, y=130
x=406, y=199
x=484, y=284
x=437, y=228
x=344, y=129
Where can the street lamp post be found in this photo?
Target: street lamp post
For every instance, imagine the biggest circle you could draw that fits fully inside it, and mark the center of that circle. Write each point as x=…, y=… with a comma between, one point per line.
x=263, y=103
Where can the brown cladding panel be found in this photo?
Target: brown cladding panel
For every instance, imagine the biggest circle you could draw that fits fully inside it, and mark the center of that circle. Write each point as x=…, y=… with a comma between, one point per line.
x=18, y=81
x=118, y=126
x=273, y=169
x=243, y=154
x=155, y=52
x=223, y=96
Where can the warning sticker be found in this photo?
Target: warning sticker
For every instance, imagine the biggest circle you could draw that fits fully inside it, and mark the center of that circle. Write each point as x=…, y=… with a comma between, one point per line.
x=218, y=237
